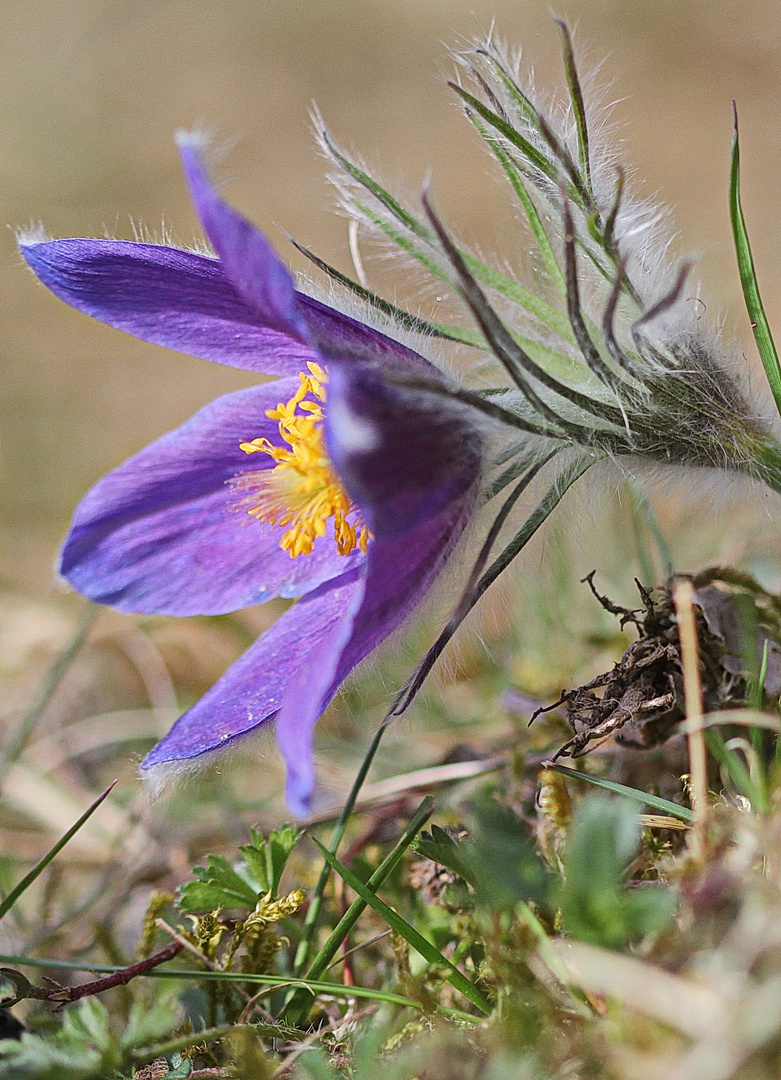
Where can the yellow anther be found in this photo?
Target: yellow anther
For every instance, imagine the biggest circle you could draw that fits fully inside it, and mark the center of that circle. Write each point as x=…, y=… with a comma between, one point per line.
x=302, y=490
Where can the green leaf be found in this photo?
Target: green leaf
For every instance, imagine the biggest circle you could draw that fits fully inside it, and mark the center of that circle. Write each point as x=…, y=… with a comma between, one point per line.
x=218, y=886
x=279, y=845
x=445, y=850
x=504, y=859
x=522, y=103
x=455, y=977
x=682, y=813
x=520, y=295
x=38, y=869
x=748, y=278
x=180, y=1068
x=377, y=190
x=314, y=1066
x=534, y=156
x=257, y=860
x=516, y=179
x=88, y=1045
x=498, y=859
x=151, y=1021
x=596, y=906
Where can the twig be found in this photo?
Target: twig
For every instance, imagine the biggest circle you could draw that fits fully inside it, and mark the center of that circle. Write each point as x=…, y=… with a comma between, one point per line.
x=64, y=995
x=683, y=592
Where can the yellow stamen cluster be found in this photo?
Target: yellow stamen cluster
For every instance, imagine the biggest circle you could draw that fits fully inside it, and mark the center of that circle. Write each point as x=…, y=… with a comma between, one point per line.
x=302, y=490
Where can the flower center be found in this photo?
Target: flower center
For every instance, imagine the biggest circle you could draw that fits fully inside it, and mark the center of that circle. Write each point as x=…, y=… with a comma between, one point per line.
x=302, y=491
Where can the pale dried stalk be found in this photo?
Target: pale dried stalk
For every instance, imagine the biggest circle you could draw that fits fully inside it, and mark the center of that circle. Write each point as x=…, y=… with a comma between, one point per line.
x=683, y=594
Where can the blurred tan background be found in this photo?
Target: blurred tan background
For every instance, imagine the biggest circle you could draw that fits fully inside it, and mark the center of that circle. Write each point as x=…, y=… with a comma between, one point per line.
x=91, y=92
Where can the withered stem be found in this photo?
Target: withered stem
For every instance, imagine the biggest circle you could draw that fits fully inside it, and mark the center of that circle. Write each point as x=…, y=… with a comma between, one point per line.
x=683, y=593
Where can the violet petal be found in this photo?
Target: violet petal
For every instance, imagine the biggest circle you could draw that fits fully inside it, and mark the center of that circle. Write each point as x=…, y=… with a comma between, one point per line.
x=168, y=297
x=266, y=285
x=250, y=692
x=402, y=454
x=164, y=533
x=248, y=259
x=399, y=573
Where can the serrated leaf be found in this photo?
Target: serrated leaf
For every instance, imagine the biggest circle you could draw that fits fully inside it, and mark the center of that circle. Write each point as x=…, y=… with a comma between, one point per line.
x=445, y=850
x=506, y=866
x=34, y=1058
x=90, y=1022
x=315, y=1066
x=181, y=1067
x=256, y=858
x=280, y=843
x=149, y=1023
x=218, y=886
x=83, y=1049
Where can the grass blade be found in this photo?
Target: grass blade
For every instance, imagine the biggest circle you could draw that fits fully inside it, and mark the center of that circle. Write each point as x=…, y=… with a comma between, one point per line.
x=313, y=914
x=298, y=1004
x=682, y=813
x=380, y=875
x=428, y=951
x=274, y=982
x=38, y=869
x=748, y=278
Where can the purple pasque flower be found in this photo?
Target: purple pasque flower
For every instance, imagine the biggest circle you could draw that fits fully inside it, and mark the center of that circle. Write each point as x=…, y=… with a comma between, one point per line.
x=335, y=483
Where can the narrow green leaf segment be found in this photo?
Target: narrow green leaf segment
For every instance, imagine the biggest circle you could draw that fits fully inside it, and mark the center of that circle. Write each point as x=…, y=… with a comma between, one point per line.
x=39, y=868
x=428, y=951
x=298, y=1005
x=682, y=813
x=748, y=278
